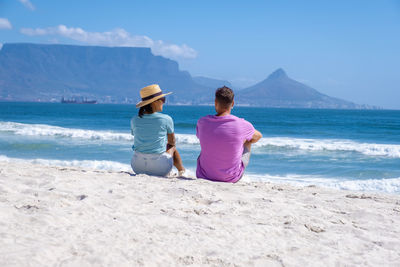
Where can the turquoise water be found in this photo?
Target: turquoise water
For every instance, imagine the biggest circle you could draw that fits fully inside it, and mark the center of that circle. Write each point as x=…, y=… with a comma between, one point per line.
x=347, y=149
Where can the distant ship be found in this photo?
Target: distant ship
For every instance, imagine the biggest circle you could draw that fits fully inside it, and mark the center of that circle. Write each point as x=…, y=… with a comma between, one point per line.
x=77, y=101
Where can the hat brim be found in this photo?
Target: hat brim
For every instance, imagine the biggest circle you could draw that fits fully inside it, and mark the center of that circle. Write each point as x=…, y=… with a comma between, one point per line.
x=144, y=103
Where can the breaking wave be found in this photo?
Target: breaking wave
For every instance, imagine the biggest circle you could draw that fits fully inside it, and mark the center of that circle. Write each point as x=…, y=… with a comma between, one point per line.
x=388, y=185
x=264, y=145
x=56, y=131
x=84, y=164
x=371, y=149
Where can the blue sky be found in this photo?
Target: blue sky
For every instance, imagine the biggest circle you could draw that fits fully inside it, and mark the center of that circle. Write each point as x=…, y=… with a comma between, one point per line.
x=346, y=49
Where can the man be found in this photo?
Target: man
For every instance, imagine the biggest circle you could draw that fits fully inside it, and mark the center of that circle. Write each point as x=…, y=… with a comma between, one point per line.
x=225, y=141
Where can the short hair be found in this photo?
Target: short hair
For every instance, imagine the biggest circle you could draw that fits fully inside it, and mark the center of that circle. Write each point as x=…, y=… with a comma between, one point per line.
x=224, y=95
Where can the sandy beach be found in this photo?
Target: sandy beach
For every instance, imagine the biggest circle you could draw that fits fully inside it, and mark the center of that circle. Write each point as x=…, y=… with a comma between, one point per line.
x=56, y=216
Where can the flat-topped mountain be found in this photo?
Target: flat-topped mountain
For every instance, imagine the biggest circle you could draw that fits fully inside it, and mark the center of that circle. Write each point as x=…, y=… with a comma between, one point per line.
x=38, y=72
x=34, y=71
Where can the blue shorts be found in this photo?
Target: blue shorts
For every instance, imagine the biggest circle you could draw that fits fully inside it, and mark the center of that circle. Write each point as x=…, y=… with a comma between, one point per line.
x=152, y=164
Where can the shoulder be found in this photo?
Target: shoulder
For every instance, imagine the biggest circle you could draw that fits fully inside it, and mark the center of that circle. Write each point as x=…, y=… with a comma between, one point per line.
x=206, y=118
x=164, y=117
x=238, y=119
x=201, y=119
x=242, y=121
x=233, y=117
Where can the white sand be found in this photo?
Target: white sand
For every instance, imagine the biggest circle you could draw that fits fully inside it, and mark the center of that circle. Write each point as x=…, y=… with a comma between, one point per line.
x=53, y=216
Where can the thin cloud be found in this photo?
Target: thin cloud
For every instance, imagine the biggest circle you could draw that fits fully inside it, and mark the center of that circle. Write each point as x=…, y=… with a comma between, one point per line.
x=5, y=24
x=116, y=37
x=27, y=4
x=1, y=46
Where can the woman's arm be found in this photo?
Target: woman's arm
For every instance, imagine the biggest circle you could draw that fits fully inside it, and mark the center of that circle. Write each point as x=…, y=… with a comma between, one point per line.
x=171, y=139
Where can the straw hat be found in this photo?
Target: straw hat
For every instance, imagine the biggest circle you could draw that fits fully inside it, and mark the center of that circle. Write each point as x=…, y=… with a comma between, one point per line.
x=150, y=94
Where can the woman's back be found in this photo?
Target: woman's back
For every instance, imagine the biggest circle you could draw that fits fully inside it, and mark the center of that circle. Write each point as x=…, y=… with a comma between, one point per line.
x=150, y=132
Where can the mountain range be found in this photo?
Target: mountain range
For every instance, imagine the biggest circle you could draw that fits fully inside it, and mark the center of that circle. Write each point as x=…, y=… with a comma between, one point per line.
x=39, y=72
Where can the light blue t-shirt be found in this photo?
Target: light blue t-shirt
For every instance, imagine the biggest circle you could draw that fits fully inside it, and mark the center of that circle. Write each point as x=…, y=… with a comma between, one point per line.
x=150, y=132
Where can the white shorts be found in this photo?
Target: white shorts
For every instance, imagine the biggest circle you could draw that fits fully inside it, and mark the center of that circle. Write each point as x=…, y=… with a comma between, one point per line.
x=245, y=159
x=152, y=164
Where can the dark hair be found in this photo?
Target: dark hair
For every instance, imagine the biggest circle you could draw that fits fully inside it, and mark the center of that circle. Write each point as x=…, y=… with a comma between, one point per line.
x=224, y=96
x=146, y=109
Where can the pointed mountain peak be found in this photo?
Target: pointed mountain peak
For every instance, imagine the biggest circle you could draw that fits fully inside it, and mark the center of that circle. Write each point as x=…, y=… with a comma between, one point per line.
x=279, y=73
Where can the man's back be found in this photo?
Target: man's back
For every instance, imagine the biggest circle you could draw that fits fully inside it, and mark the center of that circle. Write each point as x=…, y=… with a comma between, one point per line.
x=221, y=139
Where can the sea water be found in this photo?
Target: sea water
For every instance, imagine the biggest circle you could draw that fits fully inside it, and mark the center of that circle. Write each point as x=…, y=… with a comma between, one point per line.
x=346, y=149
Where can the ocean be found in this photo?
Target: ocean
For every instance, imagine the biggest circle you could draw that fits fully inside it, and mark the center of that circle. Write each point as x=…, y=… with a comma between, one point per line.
x=345, y=149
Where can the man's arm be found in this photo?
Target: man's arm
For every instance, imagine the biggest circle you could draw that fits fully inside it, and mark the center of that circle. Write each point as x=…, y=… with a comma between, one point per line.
x=256, y=136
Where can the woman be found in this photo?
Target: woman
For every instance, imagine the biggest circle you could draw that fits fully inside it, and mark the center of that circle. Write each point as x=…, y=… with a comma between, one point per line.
x=154, y=139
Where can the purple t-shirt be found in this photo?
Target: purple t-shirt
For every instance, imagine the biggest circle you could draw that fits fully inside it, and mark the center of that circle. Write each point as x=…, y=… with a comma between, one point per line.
x=221, y=141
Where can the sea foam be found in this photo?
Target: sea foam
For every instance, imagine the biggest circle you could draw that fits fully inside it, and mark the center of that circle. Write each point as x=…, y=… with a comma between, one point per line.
x=388, y=185
x=371, y=149
x=266, y=143
x=84, y=164
x=56, y=131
